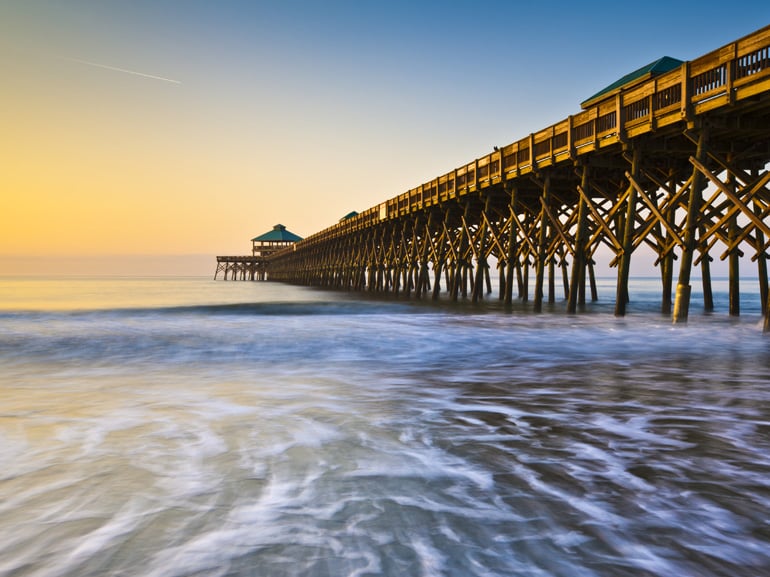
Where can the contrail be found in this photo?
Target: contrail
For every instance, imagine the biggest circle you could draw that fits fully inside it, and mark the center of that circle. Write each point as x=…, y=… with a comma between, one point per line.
x=115, y=68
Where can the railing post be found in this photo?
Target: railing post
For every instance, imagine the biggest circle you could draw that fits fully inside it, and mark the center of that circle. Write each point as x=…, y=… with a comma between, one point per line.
x=620, y=121
x=686, y=106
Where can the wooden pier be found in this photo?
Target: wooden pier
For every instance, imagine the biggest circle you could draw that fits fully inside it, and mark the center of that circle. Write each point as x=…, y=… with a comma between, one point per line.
x=673, y=156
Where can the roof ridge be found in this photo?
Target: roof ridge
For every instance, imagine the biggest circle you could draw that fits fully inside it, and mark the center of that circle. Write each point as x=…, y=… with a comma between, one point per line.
x=279, y=233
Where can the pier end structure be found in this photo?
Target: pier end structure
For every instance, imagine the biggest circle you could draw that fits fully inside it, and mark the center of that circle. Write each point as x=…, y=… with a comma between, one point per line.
x=255, y=265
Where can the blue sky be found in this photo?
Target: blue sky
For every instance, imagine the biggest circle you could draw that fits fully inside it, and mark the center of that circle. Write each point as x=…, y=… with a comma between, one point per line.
x=293, y=111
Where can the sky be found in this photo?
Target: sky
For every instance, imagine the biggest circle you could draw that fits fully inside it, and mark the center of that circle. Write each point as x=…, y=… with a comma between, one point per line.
x=148, y=136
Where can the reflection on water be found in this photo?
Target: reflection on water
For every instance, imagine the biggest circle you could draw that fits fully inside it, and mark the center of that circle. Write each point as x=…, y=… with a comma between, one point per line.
x=337, y=437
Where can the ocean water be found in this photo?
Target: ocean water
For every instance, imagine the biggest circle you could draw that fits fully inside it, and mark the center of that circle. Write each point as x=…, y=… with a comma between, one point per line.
x=187, y=427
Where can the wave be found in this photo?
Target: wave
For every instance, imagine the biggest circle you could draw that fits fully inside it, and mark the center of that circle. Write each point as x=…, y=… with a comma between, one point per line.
x=309, y=308
x=292, y=308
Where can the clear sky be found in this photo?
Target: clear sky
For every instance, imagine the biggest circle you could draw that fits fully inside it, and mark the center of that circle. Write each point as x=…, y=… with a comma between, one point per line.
x=133, y=131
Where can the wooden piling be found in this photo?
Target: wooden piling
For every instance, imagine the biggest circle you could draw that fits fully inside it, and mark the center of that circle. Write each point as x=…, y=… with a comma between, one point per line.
x=697, y=184
x=734, y=270
x=466, y=277
x=481, y=259
x=512, y=250
x=708, y=292
x=551, y=281
x=438, y=268
x=579, y=258
x=767, y=317
x=592, y=280
x=667, y=260
x=542, y=246
x=705, y=273
x=761, y=262
x=564, y=276
x=624, y=268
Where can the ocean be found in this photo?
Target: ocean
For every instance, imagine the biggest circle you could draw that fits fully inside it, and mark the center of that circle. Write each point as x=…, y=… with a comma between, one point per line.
x=189, y=427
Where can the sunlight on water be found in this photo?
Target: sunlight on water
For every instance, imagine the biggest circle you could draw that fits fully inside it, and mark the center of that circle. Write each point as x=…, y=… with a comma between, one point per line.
x=231, y=434
x=101, y=293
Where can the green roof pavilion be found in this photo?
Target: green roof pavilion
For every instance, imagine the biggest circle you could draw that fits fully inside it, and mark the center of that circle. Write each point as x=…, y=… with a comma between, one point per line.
x=656, y=68
x=272, y=241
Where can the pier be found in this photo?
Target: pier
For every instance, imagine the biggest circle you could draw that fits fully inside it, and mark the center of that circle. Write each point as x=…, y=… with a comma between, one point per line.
x=673, y=156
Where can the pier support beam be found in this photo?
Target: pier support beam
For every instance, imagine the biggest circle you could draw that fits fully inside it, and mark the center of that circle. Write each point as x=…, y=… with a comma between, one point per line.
x=764, y=293
x=735, y=255
x=767, y=315
x=581, y=236
x=564, y=276
x=545, y=200
x=761, y=259
x=439, y=264
x=551, y=281
x=624, y=268
x=667, y=262
x=512, y=237
x=697, y=184
x=481, y=258
x=734, y=270
x=705, y=272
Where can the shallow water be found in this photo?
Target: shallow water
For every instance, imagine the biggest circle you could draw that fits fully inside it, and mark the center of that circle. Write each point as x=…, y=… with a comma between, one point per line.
x=189, y=427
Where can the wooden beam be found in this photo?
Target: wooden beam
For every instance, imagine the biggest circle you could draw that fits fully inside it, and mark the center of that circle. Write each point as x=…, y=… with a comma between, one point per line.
x=683, y=289
x=621, y=298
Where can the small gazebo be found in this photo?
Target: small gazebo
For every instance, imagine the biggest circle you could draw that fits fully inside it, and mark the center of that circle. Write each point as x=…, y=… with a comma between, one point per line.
x=266, y=244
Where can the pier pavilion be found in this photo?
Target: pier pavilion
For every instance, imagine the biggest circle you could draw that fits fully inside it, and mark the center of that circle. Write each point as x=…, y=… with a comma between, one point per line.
x=254, y=266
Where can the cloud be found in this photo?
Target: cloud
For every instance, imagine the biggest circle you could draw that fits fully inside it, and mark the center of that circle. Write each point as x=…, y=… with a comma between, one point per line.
x=116, y=69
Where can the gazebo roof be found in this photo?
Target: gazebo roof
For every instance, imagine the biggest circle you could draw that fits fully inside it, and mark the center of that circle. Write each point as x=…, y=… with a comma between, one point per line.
x=278, y=234
x=660, y=66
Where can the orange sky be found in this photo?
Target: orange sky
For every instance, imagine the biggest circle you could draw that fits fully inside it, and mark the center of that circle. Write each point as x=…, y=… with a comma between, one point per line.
x=186, y=128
